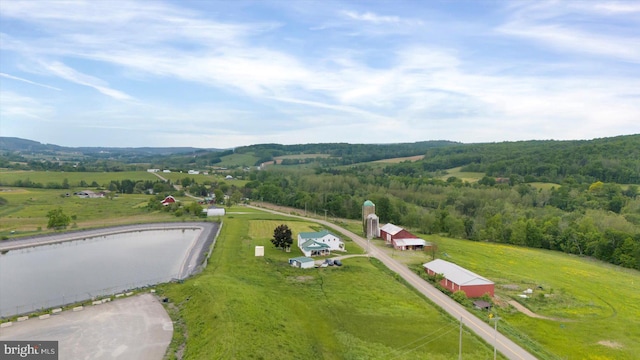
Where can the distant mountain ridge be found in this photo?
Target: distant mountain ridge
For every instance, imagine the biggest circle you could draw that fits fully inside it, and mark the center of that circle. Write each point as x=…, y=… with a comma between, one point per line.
x=25, y=145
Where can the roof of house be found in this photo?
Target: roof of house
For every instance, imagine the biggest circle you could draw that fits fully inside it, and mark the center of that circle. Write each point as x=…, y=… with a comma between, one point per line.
x=314, y=245
x=391, y=229
x=410, y=242
x=455, y=273
x=301, y=259
x=314, y=235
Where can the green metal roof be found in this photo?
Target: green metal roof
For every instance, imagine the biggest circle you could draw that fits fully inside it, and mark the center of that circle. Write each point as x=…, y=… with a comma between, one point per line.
x=369, y=203
x=301, y=259
x=314, y=245
x=315, y=235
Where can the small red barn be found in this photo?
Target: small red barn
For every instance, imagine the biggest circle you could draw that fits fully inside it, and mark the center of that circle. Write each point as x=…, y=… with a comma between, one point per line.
x=458, y=278
x=168, y=200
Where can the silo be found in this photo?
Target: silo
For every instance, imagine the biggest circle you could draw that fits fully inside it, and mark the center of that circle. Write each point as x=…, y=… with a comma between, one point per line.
x=368, y=208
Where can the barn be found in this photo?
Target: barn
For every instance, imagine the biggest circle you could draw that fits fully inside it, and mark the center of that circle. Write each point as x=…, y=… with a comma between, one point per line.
x=168, y=200
x=458, y=278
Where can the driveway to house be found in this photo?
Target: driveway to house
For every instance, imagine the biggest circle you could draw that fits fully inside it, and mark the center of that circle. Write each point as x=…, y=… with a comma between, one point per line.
x=505, y=346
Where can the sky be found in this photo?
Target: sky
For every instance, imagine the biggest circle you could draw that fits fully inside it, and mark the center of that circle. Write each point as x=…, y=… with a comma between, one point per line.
x=221, y=74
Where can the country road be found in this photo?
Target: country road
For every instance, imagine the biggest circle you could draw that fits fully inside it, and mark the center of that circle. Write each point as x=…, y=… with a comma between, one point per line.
x=505, y=346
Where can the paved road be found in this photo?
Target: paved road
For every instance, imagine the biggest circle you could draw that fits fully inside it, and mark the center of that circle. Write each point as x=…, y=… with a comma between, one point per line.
x=505, y=346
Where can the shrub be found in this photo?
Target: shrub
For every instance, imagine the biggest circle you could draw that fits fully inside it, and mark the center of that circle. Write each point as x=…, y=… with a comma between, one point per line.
x=459, y=296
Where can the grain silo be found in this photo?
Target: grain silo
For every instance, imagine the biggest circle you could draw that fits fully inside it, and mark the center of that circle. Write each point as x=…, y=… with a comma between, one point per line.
x=368, y=208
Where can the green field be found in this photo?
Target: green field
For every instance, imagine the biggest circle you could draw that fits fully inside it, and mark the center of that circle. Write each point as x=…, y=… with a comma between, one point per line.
x=598, y=303
x=236, y=160
x=243, y=307
x=74, y=178
x=462, y=175
x=25, y=212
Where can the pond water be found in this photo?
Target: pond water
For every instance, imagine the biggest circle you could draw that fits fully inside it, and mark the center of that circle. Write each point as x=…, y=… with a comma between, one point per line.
x=52, y=275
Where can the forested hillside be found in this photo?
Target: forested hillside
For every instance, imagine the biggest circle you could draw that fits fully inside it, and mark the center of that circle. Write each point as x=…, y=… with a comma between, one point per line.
x=610, y=160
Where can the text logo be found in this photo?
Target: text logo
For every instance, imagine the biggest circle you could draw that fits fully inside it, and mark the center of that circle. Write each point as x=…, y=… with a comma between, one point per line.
x=29, y=350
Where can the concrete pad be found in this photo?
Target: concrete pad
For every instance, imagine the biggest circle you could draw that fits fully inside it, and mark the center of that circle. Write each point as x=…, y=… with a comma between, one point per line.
x=137, y=327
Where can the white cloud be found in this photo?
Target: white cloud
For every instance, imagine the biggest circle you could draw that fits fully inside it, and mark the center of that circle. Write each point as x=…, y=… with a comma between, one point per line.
x=29, y=81
x=371, y=17
x=67, y=73
x=14, y=106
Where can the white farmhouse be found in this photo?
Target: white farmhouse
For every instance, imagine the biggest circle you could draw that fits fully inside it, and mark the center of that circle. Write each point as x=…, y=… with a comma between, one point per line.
x=319, y=243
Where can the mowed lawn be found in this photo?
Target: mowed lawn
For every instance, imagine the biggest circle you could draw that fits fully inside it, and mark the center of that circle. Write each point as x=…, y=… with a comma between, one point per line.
x=246, y=307
x=597, y=304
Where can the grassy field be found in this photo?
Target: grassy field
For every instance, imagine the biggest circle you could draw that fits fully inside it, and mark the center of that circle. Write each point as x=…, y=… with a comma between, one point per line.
x=26, y=210
x=400, y=159
x=245, y=307
x=74, y=178
x=235, y=160
x=596, y=305
x=464, y=176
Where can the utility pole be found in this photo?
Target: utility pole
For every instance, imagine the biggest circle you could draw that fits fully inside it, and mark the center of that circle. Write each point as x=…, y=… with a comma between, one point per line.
x=460, y=346
x=495, y=336
x=325, y=214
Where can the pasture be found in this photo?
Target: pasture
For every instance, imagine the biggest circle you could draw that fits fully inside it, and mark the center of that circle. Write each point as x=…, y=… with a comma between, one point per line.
x=237, y=160
x=101, y=178
x=400, y=159
x=462, y=175
x=243, y=306
x=596, y=305
x=25, y=212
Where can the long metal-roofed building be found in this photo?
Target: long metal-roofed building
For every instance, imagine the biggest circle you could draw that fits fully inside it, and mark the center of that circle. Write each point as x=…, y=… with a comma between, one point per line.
x=458, y=278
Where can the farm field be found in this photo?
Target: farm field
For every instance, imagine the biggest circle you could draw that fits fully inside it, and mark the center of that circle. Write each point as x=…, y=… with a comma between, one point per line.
x=596, y=305
x=400, y=159
x=25, y=212
x=74, y=178
x=462, y=175
x=243, y=306
x=235, y=160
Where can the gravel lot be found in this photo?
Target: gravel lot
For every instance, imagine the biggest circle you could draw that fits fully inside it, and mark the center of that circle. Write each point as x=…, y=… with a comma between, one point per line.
x=137, y=327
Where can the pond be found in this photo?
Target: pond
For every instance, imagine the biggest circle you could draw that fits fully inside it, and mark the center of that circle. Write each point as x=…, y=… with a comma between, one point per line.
x=52, y=275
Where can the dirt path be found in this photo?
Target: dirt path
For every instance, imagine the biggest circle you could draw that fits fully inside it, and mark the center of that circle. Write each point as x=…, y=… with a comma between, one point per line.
x=530, y=313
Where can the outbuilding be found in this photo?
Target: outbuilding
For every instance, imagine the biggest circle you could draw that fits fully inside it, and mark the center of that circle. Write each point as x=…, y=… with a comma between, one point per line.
x=214, y=211
x=302, y=262
x=458, y=278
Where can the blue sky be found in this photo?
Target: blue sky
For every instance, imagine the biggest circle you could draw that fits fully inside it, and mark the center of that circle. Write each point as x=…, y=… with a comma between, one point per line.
x=219, y=74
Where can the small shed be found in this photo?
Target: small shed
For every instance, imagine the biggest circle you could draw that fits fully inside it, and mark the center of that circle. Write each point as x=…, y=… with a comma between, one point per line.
x=302, y=262
x=214, y=211
x=481, y=305
x=259, y=250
